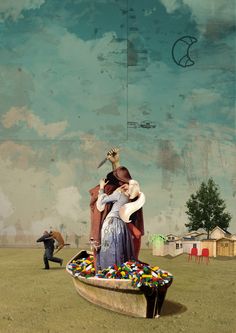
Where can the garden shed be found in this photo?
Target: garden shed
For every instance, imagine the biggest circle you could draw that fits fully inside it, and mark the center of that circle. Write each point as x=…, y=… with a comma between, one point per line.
x=211, y=245
x=226, y=247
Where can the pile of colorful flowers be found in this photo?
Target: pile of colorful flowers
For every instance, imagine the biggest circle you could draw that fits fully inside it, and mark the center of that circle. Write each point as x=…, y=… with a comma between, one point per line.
x=140, y=273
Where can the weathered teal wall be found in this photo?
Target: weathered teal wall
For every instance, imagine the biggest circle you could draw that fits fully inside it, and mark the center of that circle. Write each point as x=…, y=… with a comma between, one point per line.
x=155, y=77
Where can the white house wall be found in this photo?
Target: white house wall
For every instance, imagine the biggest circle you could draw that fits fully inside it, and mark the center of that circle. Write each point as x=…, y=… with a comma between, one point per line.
x=187, y=245
x=173, y=251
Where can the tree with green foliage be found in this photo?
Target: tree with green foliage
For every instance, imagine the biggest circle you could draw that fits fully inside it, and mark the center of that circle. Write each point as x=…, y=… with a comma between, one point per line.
x=206, y=209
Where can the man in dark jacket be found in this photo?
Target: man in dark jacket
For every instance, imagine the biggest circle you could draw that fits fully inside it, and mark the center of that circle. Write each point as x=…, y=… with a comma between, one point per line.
x=48, y=241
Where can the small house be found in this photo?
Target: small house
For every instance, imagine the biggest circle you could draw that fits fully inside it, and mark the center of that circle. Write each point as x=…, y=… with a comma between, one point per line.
x=174, y=247
x=226, y=247
x=195, y=235
x=191, y=243
x=171, y=237
x=167, y=245
x=218, y=233
x=193, y=239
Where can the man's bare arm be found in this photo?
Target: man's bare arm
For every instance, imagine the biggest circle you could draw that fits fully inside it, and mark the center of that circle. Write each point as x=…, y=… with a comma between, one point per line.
x=114, y=157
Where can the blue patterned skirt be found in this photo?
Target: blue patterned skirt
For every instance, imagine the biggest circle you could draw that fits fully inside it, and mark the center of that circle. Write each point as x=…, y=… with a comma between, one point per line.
x=116, y=243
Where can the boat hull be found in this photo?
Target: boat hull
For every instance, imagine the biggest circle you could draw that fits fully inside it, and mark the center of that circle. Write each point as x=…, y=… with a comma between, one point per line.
x=119, y=295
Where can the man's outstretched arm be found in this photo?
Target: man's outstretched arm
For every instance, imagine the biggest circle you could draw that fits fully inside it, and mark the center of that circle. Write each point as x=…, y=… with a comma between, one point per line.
x=114, y=157
x=41, y=239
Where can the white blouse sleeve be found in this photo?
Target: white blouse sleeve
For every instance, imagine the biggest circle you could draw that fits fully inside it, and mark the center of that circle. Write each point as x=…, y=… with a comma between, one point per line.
x=103, y=198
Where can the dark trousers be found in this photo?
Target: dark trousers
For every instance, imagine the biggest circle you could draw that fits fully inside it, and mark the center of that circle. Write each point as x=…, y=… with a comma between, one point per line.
x=48, y=255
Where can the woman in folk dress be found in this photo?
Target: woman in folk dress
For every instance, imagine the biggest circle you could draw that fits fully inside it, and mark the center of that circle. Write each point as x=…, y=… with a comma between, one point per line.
x=116, y=239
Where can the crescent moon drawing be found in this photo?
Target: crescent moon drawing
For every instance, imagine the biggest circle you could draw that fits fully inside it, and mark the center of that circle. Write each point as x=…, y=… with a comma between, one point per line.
x=180, y=51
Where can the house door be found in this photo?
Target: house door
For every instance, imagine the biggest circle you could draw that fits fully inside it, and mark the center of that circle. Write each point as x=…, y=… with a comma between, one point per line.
x=224, y=248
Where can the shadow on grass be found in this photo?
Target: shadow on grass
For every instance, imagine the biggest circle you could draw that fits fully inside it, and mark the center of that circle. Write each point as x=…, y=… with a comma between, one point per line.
x=222, y=258
x=172, y=308
x=168, y=256
x=53, y=268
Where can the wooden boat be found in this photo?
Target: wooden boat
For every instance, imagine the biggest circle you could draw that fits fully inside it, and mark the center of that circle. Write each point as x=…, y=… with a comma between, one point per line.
x=118, y=294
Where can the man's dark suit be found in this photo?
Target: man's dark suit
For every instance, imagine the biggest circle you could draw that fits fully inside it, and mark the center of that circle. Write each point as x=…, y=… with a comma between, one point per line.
x=49, y=249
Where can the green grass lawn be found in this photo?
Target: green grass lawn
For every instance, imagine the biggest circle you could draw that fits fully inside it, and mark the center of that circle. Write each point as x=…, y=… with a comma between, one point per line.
x=202, y=298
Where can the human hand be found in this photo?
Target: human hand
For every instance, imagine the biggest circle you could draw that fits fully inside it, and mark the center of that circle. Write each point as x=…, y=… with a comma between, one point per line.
x=124, y=187
x=102, y=183
x=94, y=245
x=113, y=155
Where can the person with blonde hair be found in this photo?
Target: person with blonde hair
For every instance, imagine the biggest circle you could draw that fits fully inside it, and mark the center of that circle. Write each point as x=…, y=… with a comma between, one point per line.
x=116, y=239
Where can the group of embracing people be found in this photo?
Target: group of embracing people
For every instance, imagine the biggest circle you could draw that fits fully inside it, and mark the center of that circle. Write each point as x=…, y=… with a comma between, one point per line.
x=116, y=216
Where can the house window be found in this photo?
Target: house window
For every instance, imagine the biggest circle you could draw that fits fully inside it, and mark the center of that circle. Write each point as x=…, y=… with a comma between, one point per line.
x=194, y=245
x=172, y=238
x=181, y=245
x=177, y=246
x=224, y=245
